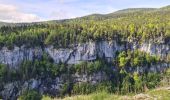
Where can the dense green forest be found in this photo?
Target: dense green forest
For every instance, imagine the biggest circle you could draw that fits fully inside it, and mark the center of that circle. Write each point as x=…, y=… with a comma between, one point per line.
x=140, y=24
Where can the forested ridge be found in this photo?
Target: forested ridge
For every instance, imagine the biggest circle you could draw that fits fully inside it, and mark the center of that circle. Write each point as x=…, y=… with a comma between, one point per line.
x=135, y=24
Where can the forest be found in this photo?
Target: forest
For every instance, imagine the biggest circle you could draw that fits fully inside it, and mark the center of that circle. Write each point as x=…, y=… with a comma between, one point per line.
x=139, y=25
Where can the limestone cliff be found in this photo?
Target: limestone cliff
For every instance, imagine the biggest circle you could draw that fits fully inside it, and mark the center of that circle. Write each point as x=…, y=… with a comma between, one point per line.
x=82, y=52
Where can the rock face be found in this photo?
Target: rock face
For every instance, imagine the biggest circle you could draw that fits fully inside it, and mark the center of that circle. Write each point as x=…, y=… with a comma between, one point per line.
x=51, y=86
x=93, y=79
x=156, y=49
x=17, y=55
x=82, y=52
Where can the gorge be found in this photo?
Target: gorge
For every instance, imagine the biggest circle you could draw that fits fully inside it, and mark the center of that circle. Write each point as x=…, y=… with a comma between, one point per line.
x=127, y=51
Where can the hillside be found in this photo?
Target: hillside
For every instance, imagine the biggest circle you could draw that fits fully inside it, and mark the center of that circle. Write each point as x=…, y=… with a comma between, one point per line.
x=166, y=8
x=2, y=24
x=140, y=24
x=124, y=52
x=123, y=13
x=116, y=14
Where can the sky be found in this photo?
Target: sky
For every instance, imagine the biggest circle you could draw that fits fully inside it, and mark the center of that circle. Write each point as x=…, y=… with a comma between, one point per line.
x=42, y=10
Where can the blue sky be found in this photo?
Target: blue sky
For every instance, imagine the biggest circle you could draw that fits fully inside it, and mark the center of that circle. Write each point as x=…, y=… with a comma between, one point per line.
x=38, y=10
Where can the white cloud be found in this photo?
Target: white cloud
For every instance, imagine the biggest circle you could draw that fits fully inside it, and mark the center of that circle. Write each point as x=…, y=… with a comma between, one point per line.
x=10, y=13
x=65, y=1
x=61, y=14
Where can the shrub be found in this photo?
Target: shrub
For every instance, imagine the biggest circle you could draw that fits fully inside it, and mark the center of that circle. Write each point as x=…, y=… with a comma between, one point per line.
x=83, y=88
x=3, y=73
x=152, y=80
x=30, y=95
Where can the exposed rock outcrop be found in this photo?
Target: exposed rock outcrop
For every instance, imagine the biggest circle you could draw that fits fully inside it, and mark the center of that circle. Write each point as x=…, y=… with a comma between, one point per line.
x=82, y=52
x=51, y=86
x=17, y=55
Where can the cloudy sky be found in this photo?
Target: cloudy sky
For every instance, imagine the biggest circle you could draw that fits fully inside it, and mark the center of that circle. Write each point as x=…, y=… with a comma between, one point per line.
x=38, y=10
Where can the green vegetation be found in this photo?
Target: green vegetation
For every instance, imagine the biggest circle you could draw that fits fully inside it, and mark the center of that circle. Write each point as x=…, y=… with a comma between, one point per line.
x=139, y=25
x=86, y=88
x=129, y=25
x=120, y=81
x=30, y=95
x=158, y=94
x=92, y=67
x=136, y=59
x=3, y=71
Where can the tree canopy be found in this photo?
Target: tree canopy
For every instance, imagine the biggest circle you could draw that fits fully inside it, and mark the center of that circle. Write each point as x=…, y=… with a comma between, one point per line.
x=140, y=25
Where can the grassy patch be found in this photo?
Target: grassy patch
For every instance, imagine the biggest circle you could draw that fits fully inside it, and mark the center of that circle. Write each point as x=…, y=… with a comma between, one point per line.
x=160, y=94
x=156, y=94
